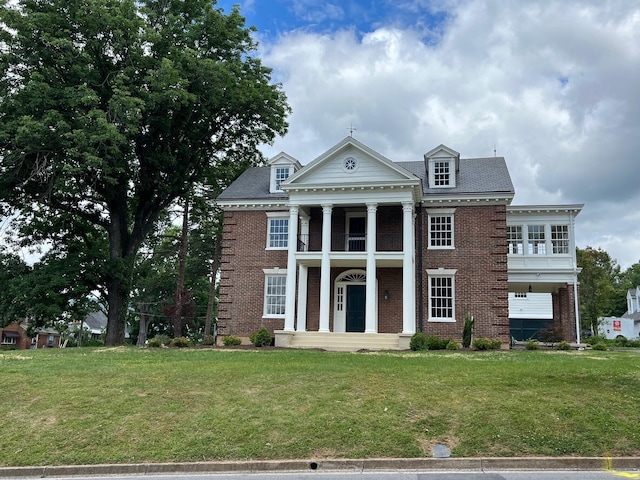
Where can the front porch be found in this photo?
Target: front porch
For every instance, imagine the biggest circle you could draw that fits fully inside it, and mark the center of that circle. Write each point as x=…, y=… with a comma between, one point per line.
x=342, y=342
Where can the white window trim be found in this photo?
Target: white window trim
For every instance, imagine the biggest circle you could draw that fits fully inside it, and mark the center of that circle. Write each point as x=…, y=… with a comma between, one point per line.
x=276, y=216
x=448, y=273
x=347, y=228
x=272, y=272
x=441, y=212
x=274, y=168
x=432, y=172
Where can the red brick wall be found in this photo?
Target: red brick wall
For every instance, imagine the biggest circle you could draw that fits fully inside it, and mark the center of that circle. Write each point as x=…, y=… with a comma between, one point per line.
x=244, y=256
x=23, y=342
x=480, y=259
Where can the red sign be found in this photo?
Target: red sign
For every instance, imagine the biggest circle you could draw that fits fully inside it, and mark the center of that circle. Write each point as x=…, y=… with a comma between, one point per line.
x=617, y=325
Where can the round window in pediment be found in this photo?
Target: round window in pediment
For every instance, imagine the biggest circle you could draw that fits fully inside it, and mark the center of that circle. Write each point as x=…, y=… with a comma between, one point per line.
x=350, y=164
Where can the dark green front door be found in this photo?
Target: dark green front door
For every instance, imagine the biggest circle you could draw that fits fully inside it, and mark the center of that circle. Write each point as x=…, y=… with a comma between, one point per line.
x=355, y=308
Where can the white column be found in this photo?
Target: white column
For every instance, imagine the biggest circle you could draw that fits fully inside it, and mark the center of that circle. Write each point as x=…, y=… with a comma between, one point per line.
x=408, y=270
x=371, y=324
x=292, y=246
x=325, y=269
x=302, y=298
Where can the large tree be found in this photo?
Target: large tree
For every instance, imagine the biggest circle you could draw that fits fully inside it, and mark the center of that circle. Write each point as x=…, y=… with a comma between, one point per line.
x=601, y=292
x=110, y=110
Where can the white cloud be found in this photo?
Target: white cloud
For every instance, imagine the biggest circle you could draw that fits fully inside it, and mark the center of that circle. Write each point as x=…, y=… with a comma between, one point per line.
x=552, y=85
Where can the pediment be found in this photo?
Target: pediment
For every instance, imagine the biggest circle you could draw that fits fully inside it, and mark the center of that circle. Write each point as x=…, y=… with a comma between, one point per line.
x=350, y=163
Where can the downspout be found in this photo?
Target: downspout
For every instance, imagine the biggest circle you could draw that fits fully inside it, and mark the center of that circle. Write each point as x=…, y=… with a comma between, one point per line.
x=420, y=271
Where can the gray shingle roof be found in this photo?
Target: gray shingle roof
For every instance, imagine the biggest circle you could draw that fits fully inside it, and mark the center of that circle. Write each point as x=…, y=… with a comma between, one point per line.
x=476, y=175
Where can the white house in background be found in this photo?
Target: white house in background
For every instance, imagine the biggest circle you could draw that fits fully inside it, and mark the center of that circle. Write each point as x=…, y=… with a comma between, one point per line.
x=629, y=324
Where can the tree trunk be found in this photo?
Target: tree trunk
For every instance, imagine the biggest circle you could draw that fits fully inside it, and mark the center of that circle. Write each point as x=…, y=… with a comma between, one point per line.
x=142, y=332
x=212, y=286
x=180, y=293
x=118, y=300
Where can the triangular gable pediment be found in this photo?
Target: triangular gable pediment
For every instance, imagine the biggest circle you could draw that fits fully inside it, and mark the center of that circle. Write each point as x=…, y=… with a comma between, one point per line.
x=442, y=151
x=350, y=162
x=283, y=158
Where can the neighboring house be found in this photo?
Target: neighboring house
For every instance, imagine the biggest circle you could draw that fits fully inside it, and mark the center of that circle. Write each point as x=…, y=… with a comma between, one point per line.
x=15, y=336
x=96, y=323
x=354, y=250
x=629, y=324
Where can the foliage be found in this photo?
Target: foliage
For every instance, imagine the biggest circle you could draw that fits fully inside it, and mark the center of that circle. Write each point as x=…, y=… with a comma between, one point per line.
x=155, y=342
x=601, y=291
x=208, y=340
x=592, y=340
x=600, y=346
x=563, y=346
x=553, y=333
x=261, y=338
x=432, y=342
x=180, y=342
x=231, y=340
x=418, y=342
x=482, y=343
x=467, y=330
x=112, y=110
x=453, y=345
x=532, y=345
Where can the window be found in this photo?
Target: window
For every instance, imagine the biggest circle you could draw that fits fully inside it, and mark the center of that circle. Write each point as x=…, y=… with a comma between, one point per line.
x=441, y=295
x=275, y=293
x=9, y=340
x=520, y=294
x=537, y=245
x=441, y=174
x=280, y=175
x=357, y=232
x=278, y=231
x=514, y=239
x=441, y=228
x=560, y=238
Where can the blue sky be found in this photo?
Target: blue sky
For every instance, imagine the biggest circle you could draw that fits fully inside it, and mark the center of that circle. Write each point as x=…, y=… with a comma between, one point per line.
x=278, y=17
x=551, y=85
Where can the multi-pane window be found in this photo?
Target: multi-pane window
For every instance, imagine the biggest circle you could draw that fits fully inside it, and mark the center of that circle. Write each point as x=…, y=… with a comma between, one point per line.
x=441, y=231
x=441, y=174
x=278, y=236
x=441, y=299
x=514, y=239
x=560, y=238
x=280, y=175
x=8, y=340
x=536, y=239
x=275, y=294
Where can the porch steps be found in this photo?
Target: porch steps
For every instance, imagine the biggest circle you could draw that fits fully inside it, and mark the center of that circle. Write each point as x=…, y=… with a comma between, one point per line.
x=345, y=342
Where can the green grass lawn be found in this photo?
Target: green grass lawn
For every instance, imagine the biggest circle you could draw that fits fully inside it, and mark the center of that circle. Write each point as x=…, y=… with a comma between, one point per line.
x=85, y=406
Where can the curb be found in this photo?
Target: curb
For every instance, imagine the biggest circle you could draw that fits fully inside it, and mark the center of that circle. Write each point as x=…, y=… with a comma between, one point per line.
x=331, y=465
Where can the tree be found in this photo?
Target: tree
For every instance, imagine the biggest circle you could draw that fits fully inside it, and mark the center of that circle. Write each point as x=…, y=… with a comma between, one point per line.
x=110, y=110
x=600, y=287
x=12, y=270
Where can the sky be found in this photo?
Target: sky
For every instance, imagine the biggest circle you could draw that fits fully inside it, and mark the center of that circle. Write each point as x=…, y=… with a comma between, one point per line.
x=552, y=86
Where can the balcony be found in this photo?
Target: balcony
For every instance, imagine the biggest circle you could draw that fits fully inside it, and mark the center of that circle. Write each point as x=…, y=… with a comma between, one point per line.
x=385, y=242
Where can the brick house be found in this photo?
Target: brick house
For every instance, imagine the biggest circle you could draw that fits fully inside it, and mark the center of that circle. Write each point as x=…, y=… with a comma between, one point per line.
x=354, y=250
x=15, y=336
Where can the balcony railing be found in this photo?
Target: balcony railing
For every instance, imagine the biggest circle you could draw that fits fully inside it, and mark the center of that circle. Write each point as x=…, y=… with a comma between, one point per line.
x=385, y=242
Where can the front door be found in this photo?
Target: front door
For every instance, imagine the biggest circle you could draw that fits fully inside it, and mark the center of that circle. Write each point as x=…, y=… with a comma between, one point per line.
x=355, y=308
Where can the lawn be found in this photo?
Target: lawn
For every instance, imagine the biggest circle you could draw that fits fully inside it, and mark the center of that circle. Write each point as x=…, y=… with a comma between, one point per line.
x=86, y=406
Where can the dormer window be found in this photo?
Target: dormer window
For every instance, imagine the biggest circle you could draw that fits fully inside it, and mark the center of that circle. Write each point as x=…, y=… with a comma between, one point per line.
x=282, y=167
x=280, y=175
x=442, y=165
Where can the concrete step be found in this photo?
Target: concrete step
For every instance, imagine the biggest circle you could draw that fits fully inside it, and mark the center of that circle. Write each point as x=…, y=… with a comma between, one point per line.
x=349, y=342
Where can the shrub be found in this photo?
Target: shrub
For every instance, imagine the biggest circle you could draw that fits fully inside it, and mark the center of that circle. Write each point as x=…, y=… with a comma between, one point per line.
x=180, y=342
x=155, y=342
x=600, y=346
x=231, y=340
x=596, y=339
x=563, y=346
x=482, y=343
x=207, y=340
x=467, y=330
x=452, y=345
x=418, y=342
x=261, y=338
x=633, y=343
x=532, y=345
x=621, y=341
x=552, y=334
x=434, y=343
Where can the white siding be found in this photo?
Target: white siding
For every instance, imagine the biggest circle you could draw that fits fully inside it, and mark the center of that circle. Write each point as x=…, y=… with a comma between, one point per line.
x=533, y=306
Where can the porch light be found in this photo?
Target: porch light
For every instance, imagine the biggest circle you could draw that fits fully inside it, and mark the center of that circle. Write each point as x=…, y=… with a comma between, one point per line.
x=530, y=288
x=386, y=294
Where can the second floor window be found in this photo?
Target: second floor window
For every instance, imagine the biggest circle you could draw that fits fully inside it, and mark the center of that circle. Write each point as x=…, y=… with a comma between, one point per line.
x=537, y=243
x=560, y=238
x=514, y=239
x=441, y=231
x=278, y=235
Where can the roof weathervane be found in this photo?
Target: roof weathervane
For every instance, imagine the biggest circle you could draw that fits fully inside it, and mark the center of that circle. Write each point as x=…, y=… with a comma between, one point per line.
x=351, y=130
